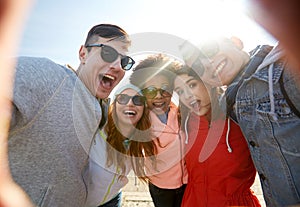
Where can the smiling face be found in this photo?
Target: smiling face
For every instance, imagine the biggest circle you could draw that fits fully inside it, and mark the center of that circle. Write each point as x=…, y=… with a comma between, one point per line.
x=101, y=77
x=159, y=104
x=129, y=114
x=225, y=59
x=193, y=94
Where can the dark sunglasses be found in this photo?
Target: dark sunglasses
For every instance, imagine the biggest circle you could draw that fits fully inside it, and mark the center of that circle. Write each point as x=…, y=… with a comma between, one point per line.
x=137, y=100
x=207, y=50
x=109, y=54
x=210, y=49
x=151, y=91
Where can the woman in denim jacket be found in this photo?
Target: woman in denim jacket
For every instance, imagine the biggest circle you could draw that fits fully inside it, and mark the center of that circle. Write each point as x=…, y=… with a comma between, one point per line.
x=263, y=97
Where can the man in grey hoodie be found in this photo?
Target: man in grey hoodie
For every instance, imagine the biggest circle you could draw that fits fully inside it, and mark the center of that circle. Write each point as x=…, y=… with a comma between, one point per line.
x=56, y=114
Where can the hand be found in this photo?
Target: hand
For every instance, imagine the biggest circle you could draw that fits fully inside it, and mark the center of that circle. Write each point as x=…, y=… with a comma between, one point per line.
x=11, y=195
x=282, y=20
x=12, y=13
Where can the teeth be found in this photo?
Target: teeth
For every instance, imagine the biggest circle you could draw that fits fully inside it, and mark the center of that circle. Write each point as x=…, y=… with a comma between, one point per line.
x=130, y=112
x=158, y=104
x=219, y=68
x=193, y=102
x=109, y=77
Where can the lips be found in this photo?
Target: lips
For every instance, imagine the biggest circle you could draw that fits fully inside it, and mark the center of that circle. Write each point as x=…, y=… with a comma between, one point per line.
x=158, y=104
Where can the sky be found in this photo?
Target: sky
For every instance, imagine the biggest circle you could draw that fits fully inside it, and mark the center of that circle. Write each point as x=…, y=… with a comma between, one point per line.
x=56, y=28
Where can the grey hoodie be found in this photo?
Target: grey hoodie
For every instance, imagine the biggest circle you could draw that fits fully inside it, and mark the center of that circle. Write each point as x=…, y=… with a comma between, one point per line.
x=54, y=121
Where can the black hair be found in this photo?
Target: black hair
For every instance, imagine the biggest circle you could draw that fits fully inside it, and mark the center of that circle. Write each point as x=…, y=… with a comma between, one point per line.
x=153, y=65
x=106, y=31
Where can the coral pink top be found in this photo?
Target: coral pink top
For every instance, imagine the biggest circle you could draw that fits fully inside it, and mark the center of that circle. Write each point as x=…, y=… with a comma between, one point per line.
x=170, y=171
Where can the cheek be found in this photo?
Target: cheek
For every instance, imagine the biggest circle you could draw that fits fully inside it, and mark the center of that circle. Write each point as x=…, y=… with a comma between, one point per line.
x=140, y=114
x=208, y=75
x=206, y=100
x=92, y=58
x=237, y=59
x=185, y=103
x=149, y=104
x=168, y=100
x=122, y=73
x=206, y=95
x=199, y=91
x=117, y=108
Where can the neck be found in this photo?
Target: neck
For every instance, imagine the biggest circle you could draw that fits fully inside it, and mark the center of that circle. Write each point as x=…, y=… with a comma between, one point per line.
x=126, y=129
x=208, y=117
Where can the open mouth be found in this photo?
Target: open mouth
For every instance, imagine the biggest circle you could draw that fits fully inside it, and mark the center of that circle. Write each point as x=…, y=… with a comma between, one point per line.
x=129, y=113
x=219, y=68
x=106, y=80
x=196, y=104
x=158, y=104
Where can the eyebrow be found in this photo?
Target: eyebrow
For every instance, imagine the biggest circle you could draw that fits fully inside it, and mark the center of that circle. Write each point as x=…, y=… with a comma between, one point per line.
x=186, y=82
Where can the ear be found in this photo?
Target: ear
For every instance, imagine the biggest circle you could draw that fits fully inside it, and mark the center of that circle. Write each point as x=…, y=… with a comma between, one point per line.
x=82, y=54
x=237, y=42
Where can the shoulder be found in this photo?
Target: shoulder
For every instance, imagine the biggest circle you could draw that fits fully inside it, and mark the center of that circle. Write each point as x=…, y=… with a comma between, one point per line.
x=41, y=68
x=40, y=77
x=36, y=81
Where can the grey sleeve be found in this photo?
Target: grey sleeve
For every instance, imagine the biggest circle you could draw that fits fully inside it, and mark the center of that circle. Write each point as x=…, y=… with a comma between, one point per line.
x=36, y=80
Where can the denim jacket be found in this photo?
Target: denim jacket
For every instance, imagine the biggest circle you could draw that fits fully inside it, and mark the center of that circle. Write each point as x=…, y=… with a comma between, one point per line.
x=271, y=128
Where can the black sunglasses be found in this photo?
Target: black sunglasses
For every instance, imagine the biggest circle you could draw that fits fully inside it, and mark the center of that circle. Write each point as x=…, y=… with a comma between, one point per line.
x=109, y=54
x=137, y=100
x=207, y=50
x=210, y=49
x=151, y=91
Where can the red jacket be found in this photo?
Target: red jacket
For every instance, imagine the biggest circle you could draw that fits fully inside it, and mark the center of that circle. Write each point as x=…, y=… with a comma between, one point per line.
x=223, y=178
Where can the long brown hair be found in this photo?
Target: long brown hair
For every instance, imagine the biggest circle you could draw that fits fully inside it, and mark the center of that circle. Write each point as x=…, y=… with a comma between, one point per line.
x=141, y=145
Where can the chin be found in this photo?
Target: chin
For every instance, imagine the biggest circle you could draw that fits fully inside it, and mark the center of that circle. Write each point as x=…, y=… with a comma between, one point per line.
x=102, y=95
x=200, y=113
x=158, y=111
x=129, y=122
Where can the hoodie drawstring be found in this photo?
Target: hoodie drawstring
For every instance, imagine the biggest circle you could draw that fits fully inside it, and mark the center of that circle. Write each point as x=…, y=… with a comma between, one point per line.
x=186, y=129
x=227, y=136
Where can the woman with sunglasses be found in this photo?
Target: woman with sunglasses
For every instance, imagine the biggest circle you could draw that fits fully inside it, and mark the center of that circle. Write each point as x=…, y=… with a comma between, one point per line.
x=123, y=145
x=218, y=160
x=168, y=178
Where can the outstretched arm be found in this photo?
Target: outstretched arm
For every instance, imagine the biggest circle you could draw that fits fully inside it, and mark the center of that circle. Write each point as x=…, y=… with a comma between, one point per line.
x=282, y=20
x=12, y=13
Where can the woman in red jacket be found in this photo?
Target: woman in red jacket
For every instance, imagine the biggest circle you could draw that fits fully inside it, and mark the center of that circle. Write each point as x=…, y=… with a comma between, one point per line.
x=220, y=168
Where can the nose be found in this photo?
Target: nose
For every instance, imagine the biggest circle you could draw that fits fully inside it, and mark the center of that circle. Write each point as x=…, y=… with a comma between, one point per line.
x=130, y=102
x=159, y=94
x=187, y=93
x=116, y=64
